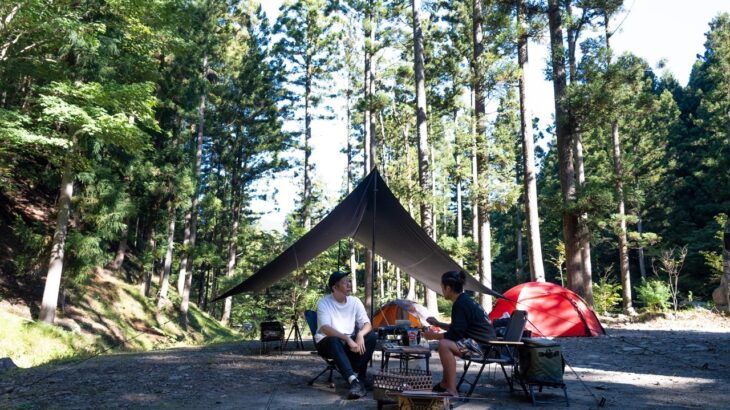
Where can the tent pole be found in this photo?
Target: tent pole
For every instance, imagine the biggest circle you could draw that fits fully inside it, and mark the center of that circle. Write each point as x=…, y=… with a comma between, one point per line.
x=372, y=254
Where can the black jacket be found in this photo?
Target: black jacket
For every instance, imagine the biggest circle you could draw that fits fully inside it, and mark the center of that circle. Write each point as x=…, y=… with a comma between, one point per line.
x=468, y=319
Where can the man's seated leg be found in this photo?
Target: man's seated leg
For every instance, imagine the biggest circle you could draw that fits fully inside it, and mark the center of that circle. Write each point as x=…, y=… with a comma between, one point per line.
x=360, y=361
x=335, y=349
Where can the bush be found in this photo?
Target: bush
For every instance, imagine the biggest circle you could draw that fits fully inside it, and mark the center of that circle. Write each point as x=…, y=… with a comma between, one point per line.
x=654, y=295
x=606, y=295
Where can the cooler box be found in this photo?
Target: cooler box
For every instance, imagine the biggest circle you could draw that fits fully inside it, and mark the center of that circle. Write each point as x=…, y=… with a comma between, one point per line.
x=541, y=362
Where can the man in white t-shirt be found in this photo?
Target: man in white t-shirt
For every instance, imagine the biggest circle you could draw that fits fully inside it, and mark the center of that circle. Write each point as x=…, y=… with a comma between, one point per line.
x=344, y=333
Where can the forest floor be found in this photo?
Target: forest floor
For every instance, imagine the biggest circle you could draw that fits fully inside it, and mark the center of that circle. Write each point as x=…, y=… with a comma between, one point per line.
x=668, y=361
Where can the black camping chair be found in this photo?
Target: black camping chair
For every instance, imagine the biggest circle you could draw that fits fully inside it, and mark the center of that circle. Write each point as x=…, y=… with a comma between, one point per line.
x=311, y=317
x=502, y=352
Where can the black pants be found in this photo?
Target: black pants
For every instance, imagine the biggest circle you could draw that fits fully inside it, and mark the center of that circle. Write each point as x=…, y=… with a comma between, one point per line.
x=347, y=361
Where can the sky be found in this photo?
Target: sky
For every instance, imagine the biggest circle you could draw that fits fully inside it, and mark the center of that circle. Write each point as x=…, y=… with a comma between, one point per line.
x=656, y=30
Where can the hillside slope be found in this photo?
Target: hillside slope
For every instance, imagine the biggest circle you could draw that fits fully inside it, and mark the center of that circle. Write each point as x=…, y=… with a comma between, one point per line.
x=109, y=315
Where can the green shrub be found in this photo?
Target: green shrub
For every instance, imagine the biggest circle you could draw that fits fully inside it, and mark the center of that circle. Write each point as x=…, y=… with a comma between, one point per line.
x=654, y=294
x=606, y=295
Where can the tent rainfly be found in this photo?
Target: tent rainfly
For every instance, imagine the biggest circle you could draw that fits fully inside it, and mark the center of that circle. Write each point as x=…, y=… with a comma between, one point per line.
x=374, y=217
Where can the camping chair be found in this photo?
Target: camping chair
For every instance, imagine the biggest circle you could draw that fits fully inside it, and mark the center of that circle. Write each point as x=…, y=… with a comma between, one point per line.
x=311, y=317
x=502, y=352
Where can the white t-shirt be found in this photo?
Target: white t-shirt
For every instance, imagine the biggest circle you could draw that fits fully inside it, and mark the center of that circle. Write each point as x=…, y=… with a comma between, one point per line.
x=340, y=316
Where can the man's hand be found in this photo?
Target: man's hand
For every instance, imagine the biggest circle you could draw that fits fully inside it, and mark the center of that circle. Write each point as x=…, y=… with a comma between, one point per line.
x=353, y=345
x=432, y=321
x=360, y=344
x=432, y=335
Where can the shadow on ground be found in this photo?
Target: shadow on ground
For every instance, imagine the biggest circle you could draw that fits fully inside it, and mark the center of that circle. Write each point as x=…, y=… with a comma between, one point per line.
x=630, y=369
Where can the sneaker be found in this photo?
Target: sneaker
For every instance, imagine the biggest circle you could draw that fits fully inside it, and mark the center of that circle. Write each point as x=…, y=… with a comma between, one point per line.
x=357, y=390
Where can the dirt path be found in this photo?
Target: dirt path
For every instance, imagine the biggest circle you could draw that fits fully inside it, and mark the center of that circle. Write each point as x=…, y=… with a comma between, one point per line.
x=675, y=363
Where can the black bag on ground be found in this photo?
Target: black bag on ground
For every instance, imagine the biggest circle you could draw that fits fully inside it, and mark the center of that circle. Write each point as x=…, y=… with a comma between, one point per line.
x=541, y=362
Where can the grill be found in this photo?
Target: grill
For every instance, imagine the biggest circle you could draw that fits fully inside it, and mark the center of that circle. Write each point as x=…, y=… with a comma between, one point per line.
x=271, y=332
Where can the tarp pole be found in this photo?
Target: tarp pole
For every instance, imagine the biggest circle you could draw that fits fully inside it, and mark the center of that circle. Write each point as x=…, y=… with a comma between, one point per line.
x=372, y=254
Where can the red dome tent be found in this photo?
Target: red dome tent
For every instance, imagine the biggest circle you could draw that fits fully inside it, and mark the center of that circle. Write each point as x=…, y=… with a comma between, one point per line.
x=552, y=310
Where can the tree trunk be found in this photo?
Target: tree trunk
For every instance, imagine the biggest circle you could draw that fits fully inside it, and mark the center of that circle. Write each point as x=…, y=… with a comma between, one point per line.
x=623, y=250
x=231, y=264
x=459, y=200
x=518, y=239
x=642, y=264
x=474, y=168
x=726, y=262
x=307, y=195
x=351, y=243
x=150, y=270
x=565, y=152
x=165, y=278
x=480, y=146
x=584, y=233
x=368, y=127
x=424, y=176
x=121, y=249
x=55, y=264
x=188, y=261
x=534, y=245
x=398, y=284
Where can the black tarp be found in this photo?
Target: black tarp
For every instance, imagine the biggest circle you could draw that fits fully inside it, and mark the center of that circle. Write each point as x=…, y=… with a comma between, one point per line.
x=398, y=238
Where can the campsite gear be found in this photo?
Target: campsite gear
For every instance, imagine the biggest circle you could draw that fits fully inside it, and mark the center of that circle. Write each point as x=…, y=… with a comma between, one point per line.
x=554, y=311
x=310, y=317
x=541, y=364
x=410, y=337
x=370, y=216
x=389, y=381
x=404, y=354
x=271, y=332
x=419, y=400
x=401, y=313
x=389, y=333
x=502, y=352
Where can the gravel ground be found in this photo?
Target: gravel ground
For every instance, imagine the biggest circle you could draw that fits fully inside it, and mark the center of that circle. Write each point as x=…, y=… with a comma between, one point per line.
x=669, y=362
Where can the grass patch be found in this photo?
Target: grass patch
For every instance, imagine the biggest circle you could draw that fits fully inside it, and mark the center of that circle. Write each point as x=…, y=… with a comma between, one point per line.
x=108, y=314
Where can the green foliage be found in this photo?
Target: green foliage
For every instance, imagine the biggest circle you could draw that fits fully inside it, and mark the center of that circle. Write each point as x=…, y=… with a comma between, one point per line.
x=606, y=295
x=654, y=295
x=30, y=343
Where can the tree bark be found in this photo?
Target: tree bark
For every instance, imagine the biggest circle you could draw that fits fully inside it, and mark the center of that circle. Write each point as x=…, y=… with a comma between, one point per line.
x=623, y=250
x=642, y=263
x=351, y=243
x=571, y=238
x=231, y=261
x=726, y=262
x=474, y=168
x=584, y=234
x=150, y=270
x=480, y=147
x=368, y=128
x=194, y=206
x=121, y=249
x=534, y=251
x=55, y=264
x=165, y=278
x=424, y=174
